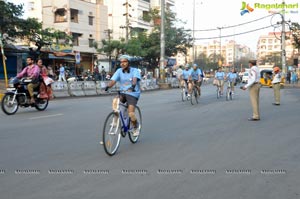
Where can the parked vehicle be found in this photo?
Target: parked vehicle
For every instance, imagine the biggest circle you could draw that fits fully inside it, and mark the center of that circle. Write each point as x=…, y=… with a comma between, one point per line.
x=245, y=77
x=18, y=95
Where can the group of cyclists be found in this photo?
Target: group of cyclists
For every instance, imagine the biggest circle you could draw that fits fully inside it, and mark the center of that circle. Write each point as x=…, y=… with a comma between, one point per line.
x=193, y=76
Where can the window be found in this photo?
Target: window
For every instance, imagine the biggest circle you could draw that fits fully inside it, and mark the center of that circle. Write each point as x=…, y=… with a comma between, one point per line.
x=74, y=15
x=91, y=43
x=91, y=20
x=60, y=15
x=75, y=39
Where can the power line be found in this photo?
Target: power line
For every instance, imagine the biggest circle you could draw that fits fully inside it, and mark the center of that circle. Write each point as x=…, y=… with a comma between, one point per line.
x=233, y=26
x=233, y=34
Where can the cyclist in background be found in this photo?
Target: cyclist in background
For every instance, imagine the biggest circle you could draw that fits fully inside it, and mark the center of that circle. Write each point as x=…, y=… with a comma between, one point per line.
x=232, y=77
x=195, y=77
x=185, y=77
x=129, y=79
x=220, y=76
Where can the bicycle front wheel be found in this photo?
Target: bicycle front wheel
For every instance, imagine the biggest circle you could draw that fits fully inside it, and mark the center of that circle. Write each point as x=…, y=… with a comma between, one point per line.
x=227, y=94
x=111, y=134
x=218, y=92
x=138, y=116
x=194, y=96
x=183, y=94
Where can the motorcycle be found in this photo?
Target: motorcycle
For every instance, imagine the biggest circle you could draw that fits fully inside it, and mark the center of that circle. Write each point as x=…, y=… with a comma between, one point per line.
x=17, y=96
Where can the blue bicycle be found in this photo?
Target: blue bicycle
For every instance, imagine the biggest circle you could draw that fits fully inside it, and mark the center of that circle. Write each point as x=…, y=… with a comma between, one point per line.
x=118, y=124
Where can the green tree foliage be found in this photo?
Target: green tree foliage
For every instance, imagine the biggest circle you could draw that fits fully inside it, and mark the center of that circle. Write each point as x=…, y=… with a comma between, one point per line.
x=177, y=39
x=295, y=28
x=28, y=29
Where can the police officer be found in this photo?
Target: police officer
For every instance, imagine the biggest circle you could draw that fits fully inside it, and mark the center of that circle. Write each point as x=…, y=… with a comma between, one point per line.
x=276, y=85
x=254, y=88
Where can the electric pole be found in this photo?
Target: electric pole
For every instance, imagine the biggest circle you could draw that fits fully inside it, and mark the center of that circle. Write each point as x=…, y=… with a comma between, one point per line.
x=283, y=53
x=127, y=5
x=162, y=41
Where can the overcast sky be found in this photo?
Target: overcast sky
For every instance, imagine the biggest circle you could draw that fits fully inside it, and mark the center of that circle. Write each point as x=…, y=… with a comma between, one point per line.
x=211, y=14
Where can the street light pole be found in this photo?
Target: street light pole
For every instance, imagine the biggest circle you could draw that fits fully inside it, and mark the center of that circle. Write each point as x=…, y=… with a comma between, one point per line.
x=220, y=59
x=193, y=31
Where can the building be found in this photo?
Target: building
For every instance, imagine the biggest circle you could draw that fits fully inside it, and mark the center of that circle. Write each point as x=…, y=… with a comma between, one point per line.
x=125, y=17
x=84, y=20
x=269, y=50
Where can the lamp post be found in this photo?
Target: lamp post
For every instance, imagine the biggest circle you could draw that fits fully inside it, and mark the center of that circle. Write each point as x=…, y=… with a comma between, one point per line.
x=193, y=31
x=220, y=47
x=283, y=53
x=3, y=60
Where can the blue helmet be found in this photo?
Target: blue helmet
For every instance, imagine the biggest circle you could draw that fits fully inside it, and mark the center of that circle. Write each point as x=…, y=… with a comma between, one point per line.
x=195, y=65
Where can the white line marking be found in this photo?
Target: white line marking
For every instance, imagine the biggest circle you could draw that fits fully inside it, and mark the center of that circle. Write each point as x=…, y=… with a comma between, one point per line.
x=46, y=116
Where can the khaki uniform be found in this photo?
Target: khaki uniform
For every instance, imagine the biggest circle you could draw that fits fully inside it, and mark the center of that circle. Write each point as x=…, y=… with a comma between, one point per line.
x=254, y=88
x=276, y=87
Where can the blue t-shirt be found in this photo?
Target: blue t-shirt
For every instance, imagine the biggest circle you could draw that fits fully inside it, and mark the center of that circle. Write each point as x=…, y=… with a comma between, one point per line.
x=125, y=80
x=220, y=75
x=186, y=74
x=195, y=73
x=231, y=77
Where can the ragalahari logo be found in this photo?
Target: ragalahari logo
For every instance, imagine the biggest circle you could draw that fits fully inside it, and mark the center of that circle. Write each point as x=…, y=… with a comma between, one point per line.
x=246, y=8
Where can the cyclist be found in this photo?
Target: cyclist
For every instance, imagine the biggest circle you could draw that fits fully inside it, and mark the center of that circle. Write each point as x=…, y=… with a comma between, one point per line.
x=220, y=76
x=129, y=79
x=195, y=77
x=232, y=77
x=185, y=77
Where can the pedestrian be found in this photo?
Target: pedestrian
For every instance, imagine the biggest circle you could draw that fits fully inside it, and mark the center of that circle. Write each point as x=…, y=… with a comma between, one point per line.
x=61, y=73
x=254, y=87
x=276, y=85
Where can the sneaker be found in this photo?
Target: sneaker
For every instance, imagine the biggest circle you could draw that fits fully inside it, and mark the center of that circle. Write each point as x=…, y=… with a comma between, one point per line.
x=136, y=131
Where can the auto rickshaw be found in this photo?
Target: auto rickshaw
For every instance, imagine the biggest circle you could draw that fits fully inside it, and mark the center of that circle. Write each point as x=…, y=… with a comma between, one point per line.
x=266, y=77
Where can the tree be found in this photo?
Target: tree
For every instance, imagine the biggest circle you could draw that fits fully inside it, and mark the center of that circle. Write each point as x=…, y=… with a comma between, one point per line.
x=112, y=48
x=176, y=39
x=29, y=30
x=295, y=28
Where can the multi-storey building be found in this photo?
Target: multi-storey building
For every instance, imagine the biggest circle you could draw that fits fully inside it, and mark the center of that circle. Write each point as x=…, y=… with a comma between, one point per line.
x=269, y=49
x=125, y=17
x=84, y=20
x=232, y=53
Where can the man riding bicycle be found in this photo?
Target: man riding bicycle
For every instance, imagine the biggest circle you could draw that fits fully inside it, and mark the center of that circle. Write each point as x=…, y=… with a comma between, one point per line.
x=195, y=77
x=185, y=77
x=231, y=77
x=129, y=79
x=220, y=76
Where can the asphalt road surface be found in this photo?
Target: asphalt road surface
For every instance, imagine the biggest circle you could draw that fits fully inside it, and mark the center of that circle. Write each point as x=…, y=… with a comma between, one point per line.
x=208, y=150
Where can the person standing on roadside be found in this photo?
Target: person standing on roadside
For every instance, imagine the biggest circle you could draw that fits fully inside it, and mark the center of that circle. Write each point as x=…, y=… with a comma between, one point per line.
x=62, y=75
x=254, y=87
x=276, y=85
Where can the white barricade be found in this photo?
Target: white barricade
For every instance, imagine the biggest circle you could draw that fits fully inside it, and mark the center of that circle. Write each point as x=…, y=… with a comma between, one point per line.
x=75, y=88
x=143, y=85
x=89, y=88
x=100, y=86
x=60, y=89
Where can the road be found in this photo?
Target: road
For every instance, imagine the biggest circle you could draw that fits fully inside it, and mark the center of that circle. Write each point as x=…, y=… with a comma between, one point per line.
x=206, y=151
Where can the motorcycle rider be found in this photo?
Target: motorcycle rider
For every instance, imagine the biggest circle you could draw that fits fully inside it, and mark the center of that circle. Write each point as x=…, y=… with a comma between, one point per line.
x=31, y=72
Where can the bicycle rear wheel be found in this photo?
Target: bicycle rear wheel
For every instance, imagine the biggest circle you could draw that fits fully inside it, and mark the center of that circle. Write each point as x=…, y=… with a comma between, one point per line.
x=138, y=116
x=111, y=134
